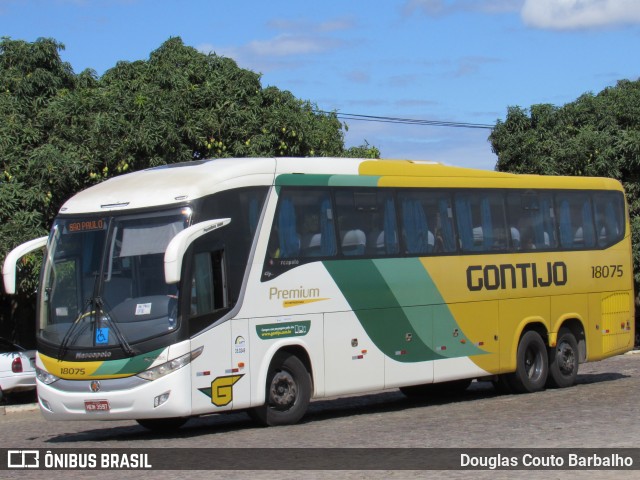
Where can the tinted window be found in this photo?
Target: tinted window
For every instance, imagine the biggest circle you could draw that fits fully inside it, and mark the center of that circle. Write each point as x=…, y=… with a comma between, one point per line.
x=531, y=220
x=480, y=219
x=610, y=217
x=303, y=225
x=427, y=223
x=575, y=220
x=367, y=222
x=208, y=283
x=244, y=207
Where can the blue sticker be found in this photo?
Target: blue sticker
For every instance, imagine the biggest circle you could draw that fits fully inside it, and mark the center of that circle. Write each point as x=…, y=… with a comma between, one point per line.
x=102, y=336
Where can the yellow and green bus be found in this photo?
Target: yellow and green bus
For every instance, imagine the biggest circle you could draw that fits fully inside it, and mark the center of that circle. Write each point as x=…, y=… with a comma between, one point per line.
x=259, y=284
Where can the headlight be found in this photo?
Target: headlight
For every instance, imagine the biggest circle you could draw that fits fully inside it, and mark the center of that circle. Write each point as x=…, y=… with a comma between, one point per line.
x=45, y=377
x=171, y=366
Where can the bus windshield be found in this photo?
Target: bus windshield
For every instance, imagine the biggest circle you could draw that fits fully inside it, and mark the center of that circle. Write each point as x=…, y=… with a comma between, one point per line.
x=103, y=280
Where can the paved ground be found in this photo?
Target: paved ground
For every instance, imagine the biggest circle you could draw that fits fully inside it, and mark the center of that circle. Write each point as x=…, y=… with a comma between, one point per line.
x=602, y=410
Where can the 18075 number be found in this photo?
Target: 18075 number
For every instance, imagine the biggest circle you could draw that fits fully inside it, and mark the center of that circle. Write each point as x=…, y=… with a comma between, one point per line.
x=72, y=371
x=606, y=271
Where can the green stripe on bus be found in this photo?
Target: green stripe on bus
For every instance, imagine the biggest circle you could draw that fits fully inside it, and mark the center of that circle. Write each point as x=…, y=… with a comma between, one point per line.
x=312, y=180
x=300, y=180
x=425, y=308
x=400, y=308
x=130, y=366
x=353, y=181
x=379, y=312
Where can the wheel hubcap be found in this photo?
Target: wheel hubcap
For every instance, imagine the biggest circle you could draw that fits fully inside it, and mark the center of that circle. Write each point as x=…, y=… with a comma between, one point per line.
x=283, y=391
x=533, y=363
x=566, y=359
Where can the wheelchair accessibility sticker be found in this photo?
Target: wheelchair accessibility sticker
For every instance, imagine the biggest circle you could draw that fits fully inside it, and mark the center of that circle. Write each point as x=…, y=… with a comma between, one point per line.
x=102, y=336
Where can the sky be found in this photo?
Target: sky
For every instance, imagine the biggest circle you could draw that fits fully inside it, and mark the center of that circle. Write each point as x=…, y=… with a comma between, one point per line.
x=461, y=61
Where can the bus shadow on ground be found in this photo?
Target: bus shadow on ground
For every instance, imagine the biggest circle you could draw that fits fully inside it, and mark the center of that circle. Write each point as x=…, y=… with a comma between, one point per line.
x=589, y=378
x=319, y=410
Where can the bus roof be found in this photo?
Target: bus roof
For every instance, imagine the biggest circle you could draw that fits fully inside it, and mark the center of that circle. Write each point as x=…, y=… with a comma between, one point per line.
x=177, y=183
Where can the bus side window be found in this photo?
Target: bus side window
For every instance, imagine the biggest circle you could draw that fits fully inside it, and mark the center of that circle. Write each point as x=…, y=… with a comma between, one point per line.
x=481, y=221
x=427, y=223
x=208, y=283
x=303, y=226
x=609, y=210
x=575, y=220
x=531, y=220
x=367, y=222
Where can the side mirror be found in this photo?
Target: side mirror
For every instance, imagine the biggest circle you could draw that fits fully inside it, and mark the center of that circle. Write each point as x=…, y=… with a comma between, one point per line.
x=9, y=267
x=180, y=243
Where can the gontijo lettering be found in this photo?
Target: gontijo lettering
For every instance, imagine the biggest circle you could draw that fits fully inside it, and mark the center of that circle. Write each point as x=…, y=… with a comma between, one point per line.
x=519, y=275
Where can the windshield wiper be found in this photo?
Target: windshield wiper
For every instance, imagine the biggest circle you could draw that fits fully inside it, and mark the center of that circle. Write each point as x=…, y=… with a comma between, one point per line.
x=124, y=345
x=74, y=326
x=74, y=331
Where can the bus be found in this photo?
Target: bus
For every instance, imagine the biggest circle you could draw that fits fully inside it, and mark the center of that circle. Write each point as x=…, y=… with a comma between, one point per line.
x=259, y=284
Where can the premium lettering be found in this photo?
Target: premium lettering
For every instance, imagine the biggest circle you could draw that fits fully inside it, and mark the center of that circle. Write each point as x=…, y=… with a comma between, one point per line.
x=294, y=293
x=519, y=275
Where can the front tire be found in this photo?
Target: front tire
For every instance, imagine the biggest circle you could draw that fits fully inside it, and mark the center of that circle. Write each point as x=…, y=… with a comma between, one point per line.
x=563, y=360
x=532, y=367
x=288, y=392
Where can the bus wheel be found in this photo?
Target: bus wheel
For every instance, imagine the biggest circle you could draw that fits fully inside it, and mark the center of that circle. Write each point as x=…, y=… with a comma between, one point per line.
x=162, y=424
x=532, y=367
x=288, y=392
x=563, y=360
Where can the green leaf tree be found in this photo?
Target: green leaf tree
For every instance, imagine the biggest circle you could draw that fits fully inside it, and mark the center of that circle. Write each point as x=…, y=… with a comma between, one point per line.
x=61, y=132
x=596, y=135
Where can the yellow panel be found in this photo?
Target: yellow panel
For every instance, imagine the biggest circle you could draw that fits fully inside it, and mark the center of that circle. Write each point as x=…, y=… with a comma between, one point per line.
x=564, y=307
x=615, y=328
x=515, y=315
x=414, y=174
x=73, y=370
x=479, y=322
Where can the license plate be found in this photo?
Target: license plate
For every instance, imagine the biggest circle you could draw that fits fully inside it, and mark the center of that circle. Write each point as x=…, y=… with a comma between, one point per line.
x=96, y=405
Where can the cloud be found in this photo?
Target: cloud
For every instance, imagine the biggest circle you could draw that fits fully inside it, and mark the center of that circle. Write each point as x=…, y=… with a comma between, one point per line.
x=453, y=146
x=404, y=80
x=466, y=66
x=436, y=8
x=246, y=58
x=336, y=24
x=294, y=45
x=580, y=14
x=358, y=76
x=286, y=51
x=543, y=14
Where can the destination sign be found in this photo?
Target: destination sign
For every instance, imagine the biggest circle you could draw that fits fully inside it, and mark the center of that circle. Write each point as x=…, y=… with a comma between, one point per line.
x=86, y=225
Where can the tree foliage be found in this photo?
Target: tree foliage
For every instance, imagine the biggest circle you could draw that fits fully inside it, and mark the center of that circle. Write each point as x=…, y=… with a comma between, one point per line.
x=596, y=135
x=61, y=132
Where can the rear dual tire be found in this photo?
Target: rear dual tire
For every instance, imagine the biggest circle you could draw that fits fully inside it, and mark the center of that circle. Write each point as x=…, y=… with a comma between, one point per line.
x=563, y=360
x=532, y=365
x=538, y=367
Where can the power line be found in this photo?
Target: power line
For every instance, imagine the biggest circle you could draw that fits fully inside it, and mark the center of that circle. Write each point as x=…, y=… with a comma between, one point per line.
x=406, y=121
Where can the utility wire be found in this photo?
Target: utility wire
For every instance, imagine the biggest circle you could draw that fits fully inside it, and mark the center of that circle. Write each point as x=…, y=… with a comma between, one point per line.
x=406, y=121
